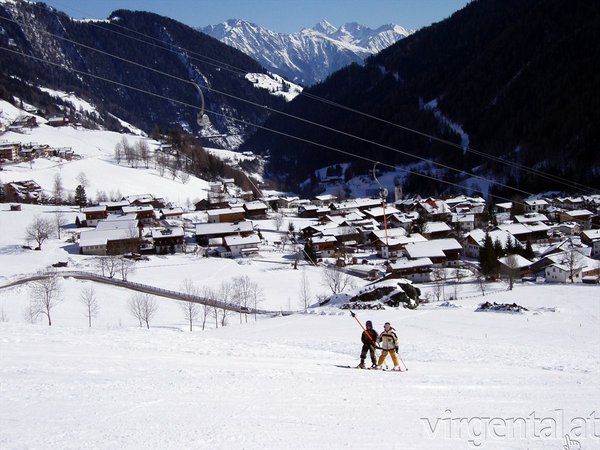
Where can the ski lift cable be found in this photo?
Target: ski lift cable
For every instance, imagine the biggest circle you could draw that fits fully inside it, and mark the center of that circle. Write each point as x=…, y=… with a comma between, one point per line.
x=245, y=122
x=203, y=119
x=226, y=66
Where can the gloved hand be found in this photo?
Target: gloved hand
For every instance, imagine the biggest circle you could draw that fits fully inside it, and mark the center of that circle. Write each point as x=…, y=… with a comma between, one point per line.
x=396, y=348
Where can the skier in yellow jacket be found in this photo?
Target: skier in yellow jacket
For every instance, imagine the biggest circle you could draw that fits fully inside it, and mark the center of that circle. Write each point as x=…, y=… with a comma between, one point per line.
x=389, y=344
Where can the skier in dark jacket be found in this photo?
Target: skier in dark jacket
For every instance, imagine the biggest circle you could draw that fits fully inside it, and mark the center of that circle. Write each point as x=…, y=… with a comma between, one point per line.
x=368, y=338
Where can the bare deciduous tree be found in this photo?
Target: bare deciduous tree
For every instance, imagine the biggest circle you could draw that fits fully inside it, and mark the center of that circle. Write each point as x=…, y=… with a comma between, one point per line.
x=191, y=309
x=90, y=302
x=108, y=265
x=511, y=269
x=278, y=221
x=439, y=282
x=143, y=151
x=336, y=280
x=573, y=260
x=45, y=293
x=83, y=180
x=207, y=310
x=246, y=294
x=60, y=220
x=119, y=152
x=39, y=230
x=58, y=190
x=142, y=307
x=225, y=296
x=125, y=267
x=305, y=295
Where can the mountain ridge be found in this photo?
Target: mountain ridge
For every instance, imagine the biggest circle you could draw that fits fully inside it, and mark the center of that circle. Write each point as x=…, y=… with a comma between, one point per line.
x=311, y=54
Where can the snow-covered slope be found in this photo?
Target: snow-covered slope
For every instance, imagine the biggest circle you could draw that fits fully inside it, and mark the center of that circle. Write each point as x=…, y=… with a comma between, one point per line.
x=95, y=150
x=311, y=54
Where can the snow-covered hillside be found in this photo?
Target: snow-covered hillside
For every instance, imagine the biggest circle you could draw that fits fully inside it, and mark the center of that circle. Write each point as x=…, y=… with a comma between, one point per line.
x=311, y=54
x=96, y=151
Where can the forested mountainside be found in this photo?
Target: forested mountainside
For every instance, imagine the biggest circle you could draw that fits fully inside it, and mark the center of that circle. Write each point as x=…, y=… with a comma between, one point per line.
x=513, y=78
x=141, y=38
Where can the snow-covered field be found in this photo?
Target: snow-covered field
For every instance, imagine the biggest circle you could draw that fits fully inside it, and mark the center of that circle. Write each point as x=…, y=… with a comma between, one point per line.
x=475, y=379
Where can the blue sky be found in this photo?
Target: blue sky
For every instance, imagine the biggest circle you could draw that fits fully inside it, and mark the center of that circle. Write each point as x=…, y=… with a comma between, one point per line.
x=285, y=16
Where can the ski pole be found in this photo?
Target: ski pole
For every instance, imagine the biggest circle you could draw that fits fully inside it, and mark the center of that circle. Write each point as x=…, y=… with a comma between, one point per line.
x=364, y=329
x=403, y=363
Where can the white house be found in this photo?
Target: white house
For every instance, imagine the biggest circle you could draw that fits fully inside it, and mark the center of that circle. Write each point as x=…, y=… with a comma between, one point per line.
x=241, y=246
x=560, y=273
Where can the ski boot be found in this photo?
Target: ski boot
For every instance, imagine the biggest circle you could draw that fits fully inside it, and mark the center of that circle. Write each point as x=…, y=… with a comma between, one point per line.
x=361, y=365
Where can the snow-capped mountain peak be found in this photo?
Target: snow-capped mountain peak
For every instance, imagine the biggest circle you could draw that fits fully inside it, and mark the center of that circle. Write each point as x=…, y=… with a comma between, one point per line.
x=310, y=55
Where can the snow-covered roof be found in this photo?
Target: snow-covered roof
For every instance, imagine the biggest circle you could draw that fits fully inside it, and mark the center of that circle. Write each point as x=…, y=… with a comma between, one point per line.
x=129, y=224
x=515, y=261
x=379, y=211
x=218, y=212
x=167, y=232
x=592, y=234
x=323, y=239
x=255, y=206
x=437, y=227
x=204, y=229
x=101, y=237
x=410, y=263
x=136, y=209
x=232, y=241
x=531, y=218
x=93, y=209
x=579, y=213
x=434, y=248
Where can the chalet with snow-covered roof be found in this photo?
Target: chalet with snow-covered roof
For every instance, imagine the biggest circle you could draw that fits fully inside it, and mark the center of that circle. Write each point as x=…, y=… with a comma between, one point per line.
x=434, y=210
x=93, y=214
x=108, y=242
x=144, y=213
x=438, y=250
x=581, y=216
x=475, y=241
x=517, y=264
x=527, y=232
x=308, y=211
x=171, y=213
x=256, y=210
x=591, y=238
x=204, y=232
x=560, y=273
x=393, y=247
x=113, y=207
x=24, y=121
x=168, y=240
x=535, y=205
x=324, y=246
x=27, y=191
x=129, y=222
x=145, y=200
x=463, y=222
x=417, y=270
x=223, y=215
x=241, y=245
x=324, y=200
x=57, y=121
x=436, y=230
